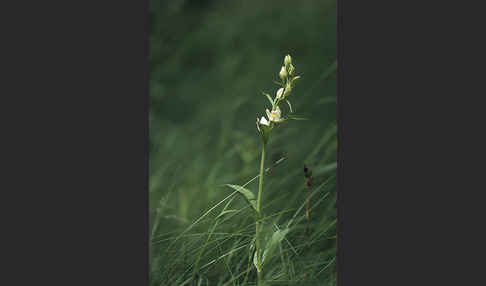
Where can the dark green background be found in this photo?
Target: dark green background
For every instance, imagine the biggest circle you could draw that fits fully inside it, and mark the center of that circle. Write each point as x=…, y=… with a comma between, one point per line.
x=209, y=61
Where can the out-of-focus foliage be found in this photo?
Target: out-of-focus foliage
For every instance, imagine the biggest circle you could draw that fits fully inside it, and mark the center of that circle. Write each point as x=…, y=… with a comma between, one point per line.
x=209, y=62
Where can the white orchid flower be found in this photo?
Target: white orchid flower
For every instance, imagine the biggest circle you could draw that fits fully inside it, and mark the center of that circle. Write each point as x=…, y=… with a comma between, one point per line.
x=280, y=92
x=264, y=121
x=274, y=115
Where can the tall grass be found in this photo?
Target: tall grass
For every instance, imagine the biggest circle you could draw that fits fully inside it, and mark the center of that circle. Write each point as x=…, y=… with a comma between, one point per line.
x=208, y=66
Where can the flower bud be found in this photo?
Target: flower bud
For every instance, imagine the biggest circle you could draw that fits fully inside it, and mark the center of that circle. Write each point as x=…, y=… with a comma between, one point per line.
x=287, y=91
x=291, y=69
x=280, y=93
x=283, y=73
x=287, y=60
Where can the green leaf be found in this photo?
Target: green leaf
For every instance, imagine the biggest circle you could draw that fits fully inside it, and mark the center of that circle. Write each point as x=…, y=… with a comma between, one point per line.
x=269, y=99
x=290, y=105
x=252, y=245
x=247, y=194
x=295, y=78
x=255, y=262
x=277, y=237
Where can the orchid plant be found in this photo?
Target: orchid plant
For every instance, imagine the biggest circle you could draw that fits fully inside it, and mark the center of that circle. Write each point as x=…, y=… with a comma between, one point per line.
x=261, y=249
x=264, y=127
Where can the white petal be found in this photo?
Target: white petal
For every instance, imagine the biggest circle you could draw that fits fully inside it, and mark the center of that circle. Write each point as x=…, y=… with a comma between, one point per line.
x=269, y=114
x=264, y=121
x=280, y=92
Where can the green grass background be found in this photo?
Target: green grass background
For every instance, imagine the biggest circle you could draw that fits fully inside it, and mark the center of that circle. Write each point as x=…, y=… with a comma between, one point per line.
x=209, y=61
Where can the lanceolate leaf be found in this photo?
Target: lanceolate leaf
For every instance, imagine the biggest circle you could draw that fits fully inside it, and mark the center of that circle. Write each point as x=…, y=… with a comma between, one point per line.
x=277, y=237
x=247, y=194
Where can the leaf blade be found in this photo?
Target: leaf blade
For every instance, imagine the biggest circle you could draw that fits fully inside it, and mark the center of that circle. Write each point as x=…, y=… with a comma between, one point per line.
x=274, y=241
x=247, y=194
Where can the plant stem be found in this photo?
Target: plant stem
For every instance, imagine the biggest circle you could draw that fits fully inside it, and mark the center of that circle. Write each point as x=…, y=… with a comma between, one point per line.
x=257, y=230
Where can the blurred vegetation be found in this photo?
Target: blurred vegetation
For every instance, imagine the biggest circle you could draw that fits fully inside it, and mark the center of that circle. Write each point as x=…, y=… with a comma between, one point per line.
x=209, y=62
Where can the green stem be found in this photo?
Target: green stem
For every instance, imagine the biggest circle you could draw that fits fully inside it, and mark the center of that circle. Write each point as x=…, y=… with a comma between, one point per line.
x=260, y=182
x=257, y=230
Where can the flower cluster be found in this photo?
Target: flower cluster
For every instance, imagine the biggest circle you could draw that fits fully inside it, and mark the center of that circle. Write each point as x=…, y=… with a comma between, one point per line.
x=287, y=80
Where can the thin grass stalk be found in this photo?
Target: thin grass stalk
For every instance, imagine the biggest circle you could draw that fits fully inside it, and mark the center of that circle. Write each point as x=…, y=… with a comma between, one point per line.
x=202, y=250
